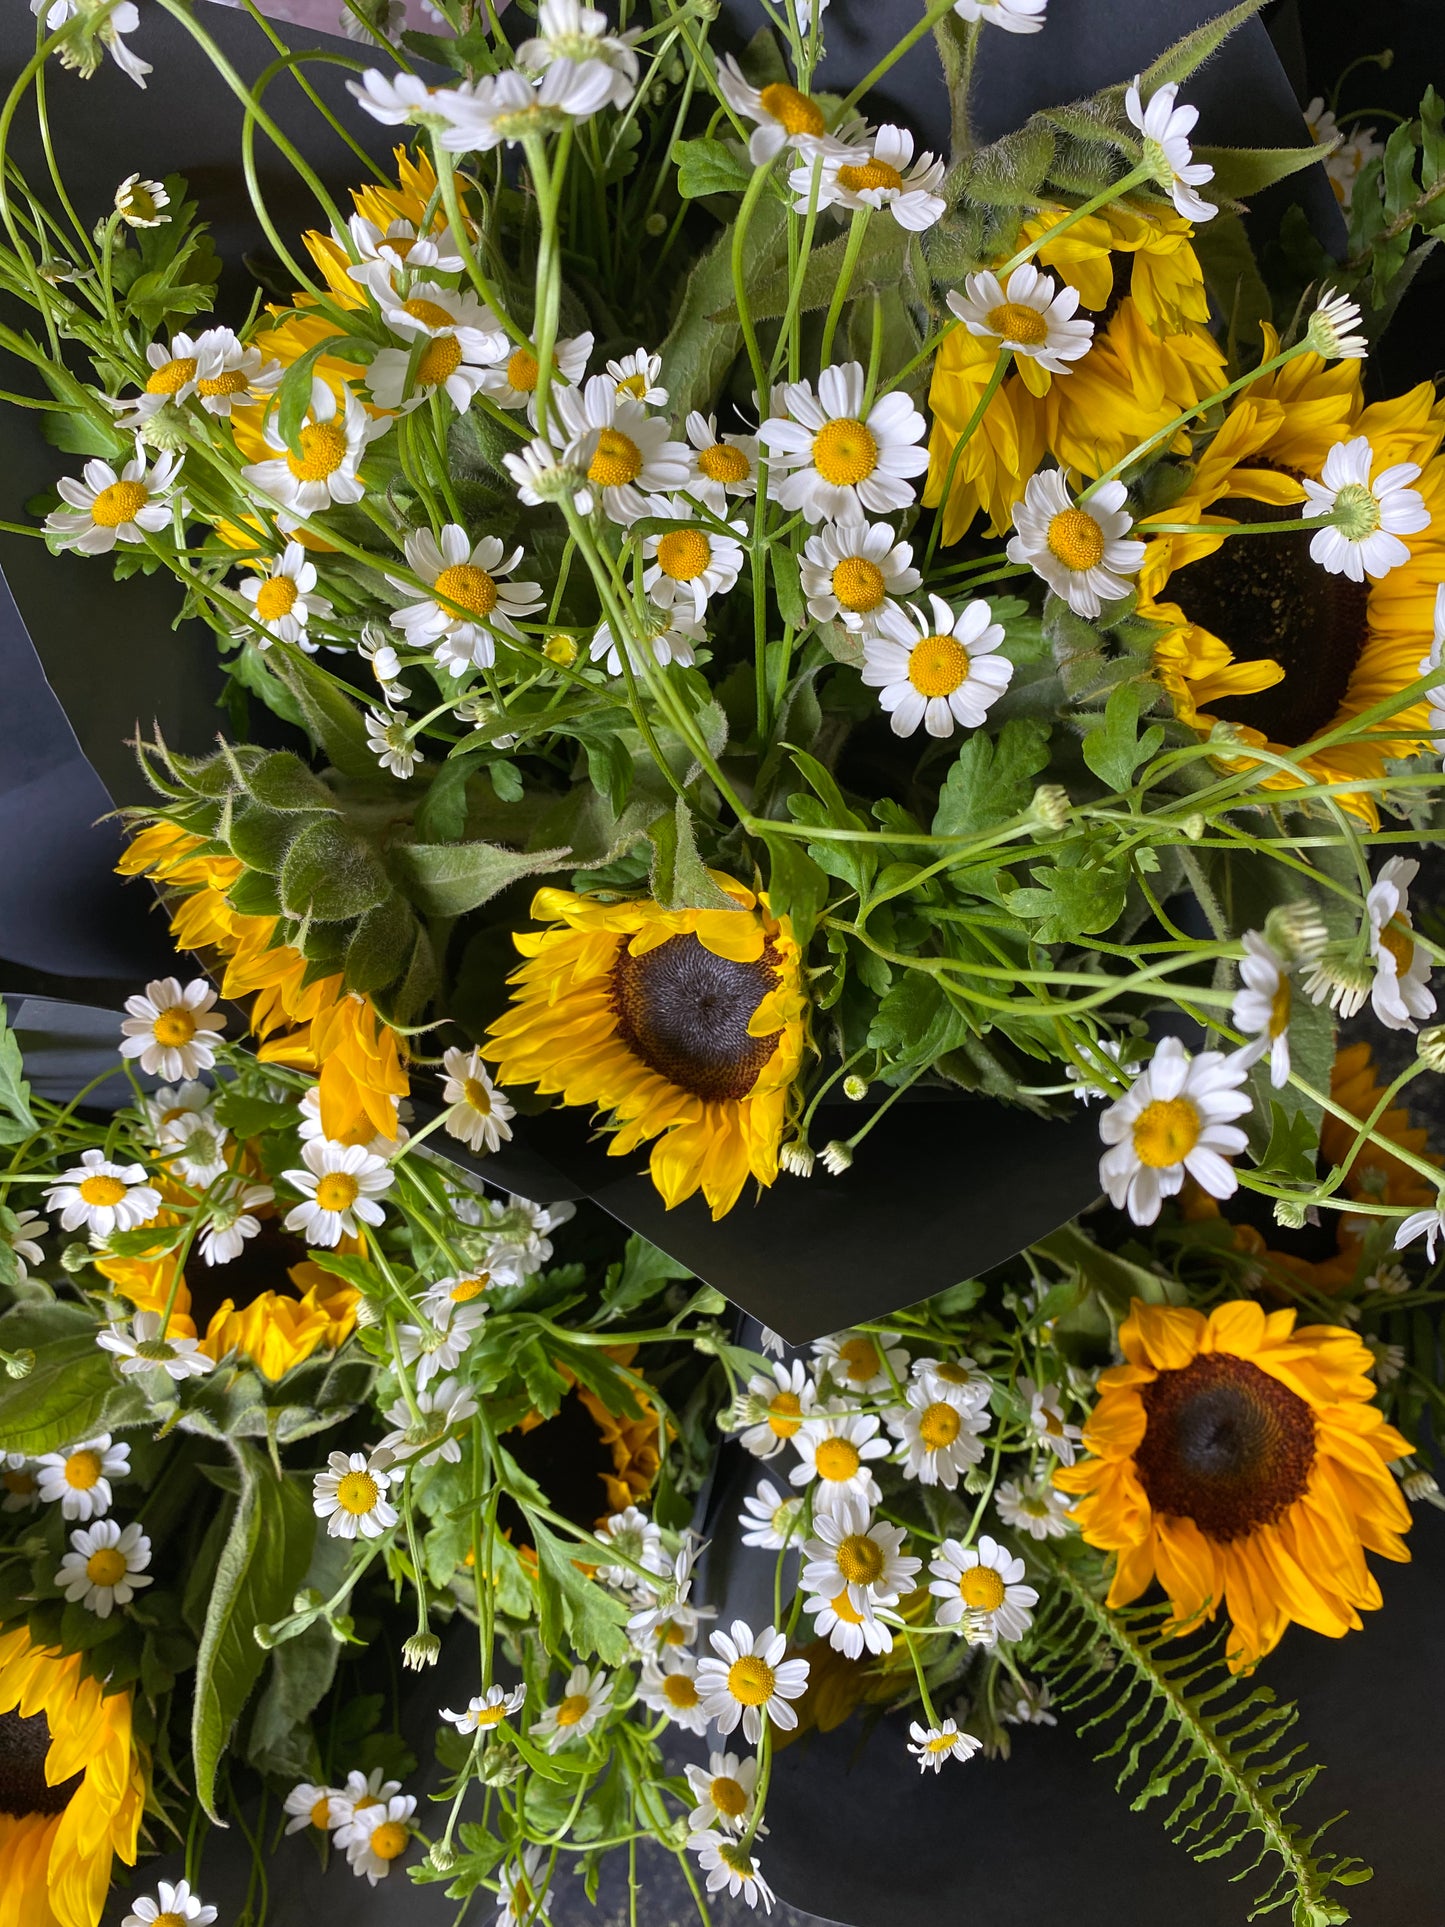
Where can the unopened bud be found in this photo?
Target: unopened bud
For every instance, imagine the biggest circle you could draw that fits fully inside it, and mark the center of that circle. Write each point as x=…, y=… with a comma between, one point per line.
x=855, y=1088
x=1296, y=932
x=975, y=1480
x=1289, y=1214
x=655, y=225
x=500, y=1764
x=1194, y=826
x=797, y=1159
x=308, y=1600
x=1051, y=806
x=75, y=1257
x=1420, y=1485
x=265, y=1637
x=18, y=1364
x=560, y=649
x=837, y=1157
x=1430, y=1047
x=1226, y=735
x=442, y=1856
x=369, y=1312
x=420, y=1651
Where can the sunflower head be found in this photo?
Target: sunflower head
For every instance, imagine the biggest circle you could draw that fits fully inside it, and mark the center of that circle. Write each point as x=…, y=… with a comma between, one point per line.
x=591, y=1461
x=1240, y=1463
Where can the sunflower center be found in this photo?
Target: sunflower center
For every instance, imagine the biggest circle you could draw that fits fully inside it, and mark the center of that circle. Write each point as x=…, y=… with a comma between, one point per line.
x=171, y=377
x=685, y=1011
x=24, y=1744
x=1401, y=946
x=441, y=361
x=337, y=1191
x=617, y=462
x=1269, y=600
x=722, y=463
x=844, y=1609
x=477, y=1096
x=102, y=1189
x=572, y=1709
x=234, y=381
x=1165, y=1132
x=389, y=1840
x=1014, y=321
x=844, y=452
x=1225, y=1445
x=873, y=174
x=83, y=1469
x=793, y=110
x=981, y=1589
x=837, y=1460
x=522, y=371
x=784, y=1414
x=859, y=1359
x=729, y=1796
x=939, y=1426
x=684, y=554
x=174, y=1027
x=356, y=1493
x=858, y=584
x=429, y=313
x=938, y=665
x=118, y=504
x=678, y=1690
x=1280, y=1005
x=276, y=598
x=750, y=1680
x=106, y=1567
x=1076, y=539
x=860, y=1559
x=323, y=450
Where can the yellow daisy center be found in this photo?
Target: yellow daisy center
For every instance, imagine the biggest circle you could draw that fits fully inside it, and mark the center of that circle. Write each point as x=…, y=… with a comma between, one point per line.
x=323, y=450
x=122, y=502
x=940, y=1742
x=938, y=665
x=174, y=1027
x=981, y=1589
x=276, y=598
x=1013, y=321
x=466, y=1289
x=478, y=1096
x=683, y=554
x=171, y=377
x=233, y=381
x=1076, y=539
x=860, y=1559
x=678, y=1690
x=389, y=1840
x=492, y=1715
x=522, y=371
x=872, y=174
x=1165, y=1132
x=784, y=1414
x=83, y=1469
x=939, y=1426
x=572, y=1709
x=321, y=1811
x=729, y=1796
x=356, y=1493
x=858, y=584
x=617, y=462
x=859, y=1359
x=791, y=109
x=560, y=649
x=674, y=1633
x=633, y=385
x=837, y=1460
x=106, y=1567
x=751, y=1680
x=845, y=452
x=440, y=362
x=1401, y=945
x=722, y=463
x=337, y=1191
x=469, y=587
x=1279, y=1007
x=429, y=313
x=170, y=1920
x=101, y=1189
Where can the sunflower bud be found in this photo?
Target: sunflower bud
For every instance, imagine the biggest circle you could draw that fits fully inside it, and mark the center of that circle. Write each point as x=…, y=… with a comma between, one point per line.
x=1296, y=932
x=420, y=1651
x=1430, y=1047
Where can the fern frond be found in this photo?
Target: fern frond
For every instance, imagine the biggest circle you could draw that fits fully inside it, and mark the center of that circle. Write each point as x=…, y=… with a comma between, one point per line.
x=1184, y=1730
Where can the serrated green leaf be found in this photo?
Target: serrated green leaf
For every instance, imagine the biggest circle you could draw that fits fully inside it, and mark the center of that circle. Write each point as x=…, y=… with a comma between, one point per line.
x=576, y=1612
x=797, y=887
x=1067, y=903
x=710, y=167
x=448, y=879
x=14, y=1091
x=1114, y=749
x=914, y=1022
x=680, y=879
x=992, y=778
x=245, y=1116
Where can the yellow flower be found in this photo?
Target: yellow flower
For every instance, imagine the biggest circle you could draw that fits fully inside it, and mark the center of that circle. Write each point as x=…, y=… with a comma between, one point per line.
x=72, y=1787
x=1005, y=449
x=685, y=1025
x=1240, y=1463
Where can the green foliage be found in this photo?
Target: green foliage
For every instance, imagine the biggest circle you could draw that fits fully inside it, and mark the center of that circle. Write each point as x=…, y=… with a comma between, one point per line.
x=164, y=274
x=448, y=879
x=992, y=778
x=62, y=1397
x=1113, y=748
x=1401, y=192
x=680, y=878
x=18, y=1120
x=710, y=167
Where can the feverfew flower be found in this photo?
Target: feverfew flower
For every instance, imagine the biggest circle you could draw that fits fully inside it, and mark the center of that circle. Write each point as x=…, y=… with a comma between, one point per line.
x=575, y=36
x=1367, y=518
x=283, y=598
x=122, y=19
x=399, y=250
x=1400, y=993
x=80, y=1476
x=333, y=438
x=1176, y=1118
x=488, y=1709
x=479, y=1112
x=1032, y=315
x=1046, y=1419
x=141, y=203
x=635, y=1536
x=1429, y=1225
x=473, y=604
x=105, y=1567
x=879, y=172
x=445, y=1407
x=351, y=1495
x=722, y=465
x=833, y=463
x=1031, y=1506
x=233, y=1221
x=632, y=456
x=724, y=1790
x=750, y=1680
x=688, y=565
x=172, y=1029
x=939, y=669
x=932, y=1745
x=1079, y=549
x=395, y=98
x=672, y=1690
x=1358, y=148
x=1262, y=1007
x=770, y=1412
x=141, y=1348
x=102, y=1196
x=439, y=1347
x=1166, y=129
x=513, y=383
x=1030, y=1705
x=341, y=1184
x=861, y=1362
x=166, y=1104
x=25, y=1228
x=463, y=339
x=173, y=1906
x=728, y=1863
x=981, y=1591
x=639, y=375
x=669, y=636
x=390, y=740
x=852, y=1554
x=586, y=1700
x=377, y=1835
x=1331, y=328
x=769, y=1519
x=835, y=1448
x=194, y=1148
x=543, y=473
x=106, y=508
x=523, y=1898
x=941, y=1428
x=309, y=1806
x=785, y=118
x=1014, y=16
x=853, y=571
x=361, y=1790
x=506, y=107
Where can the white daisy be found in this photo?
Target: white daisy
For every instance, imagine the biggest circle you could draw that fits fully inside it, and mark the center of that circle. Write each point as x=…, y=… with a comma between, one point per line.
x=1014, y=16
x=1429, y=1225
x=194, y=1148
x=486, y=1710
x=688, y=565
x=340, y=1186
x=955, y=1378
x=214, y=368
x=390, y=740
x=833, y=463
x=472, y=606
x=439, y=1347
x=25, y=1228
x=1262, y=1007
x=721, y=465
x=939, y=669
x=447, y=1292
x=1034, y=1507
x=351, y=1494
x=851, y=571
x=861, y=1362
x=981, y=1590
x=400, y=250
x=283, y=597
x=724, y=1790
x=233, y=1220
x=102, y=1196
x=543, y=473
x=362, y=1790
x=377, y=1835
x=1033, y=316
x=1047, y=1421
x=375, y=648
x=141, y=1348
x=463, y=338
x=638, y=376
x=1085, y=1088
x=586, y=1700
x=932, y=1745
x=173, y=1906
x=513, y=383
x=333, y=438
x=784, y=117
x=852, y=1554
x=750, y=1680
x=672, y=1690
x=80, y=1476
x=669, y=636
x=1081, y=551
x=728, y=1863
x=18, y=1483
x=1368, y=517
x=1177, y=1117
x=521, y=1243
x=309, y=1806
x=666, y=1630
x=771, y=1519
x=1332, y=326
x=635, y=1536
x=479, y=1112
x=173, y=1029
x=444, y=1407
x=1400, y=993
x=167, y=1103
x=632, y=457
x=835, y=1449
x=941, y=1430
x=106, y=1567
x=506, y=107
x=878, y=172
x=577, y=36
x=771, y=1411
x=395, y=98
x=122, y=19
x=142, y=203
x=1357, y=149
x=106, y=507
x=1166, y=130
x=1030, y=1706
x=523, y=1898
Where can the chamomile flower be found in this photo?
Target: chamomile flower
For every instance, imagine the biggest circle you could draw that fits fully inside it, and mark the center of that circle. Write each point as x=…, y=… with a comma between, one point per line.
x=105, y=1567
x=141, y=1348
x=860, y=1557
x=1429, y=1225
x=523, y=1897
x=79, y=1477
x=333, y=439
x=486, y=1710
x=362, y=1790
x=26, y=1228
x=635, y=1536
x=586, y=1699
x=1031, y=1702
x=1166, y=129
x=386, y=665
x=672, y=1690
x=1033, y=316
x=1400, y=993
x=632, y=456
x=396, y=98
x=939, y=669
x=1014, y=16
x=447, y=1292
x=506, y=107
x=173, y=1906
x=770, y=1519
x=194, y=1148
x=877, y=172
x=168, y=1102
x=102, y=1196
x=1082, y=551
x=720, y=465
x=853, y=571
x=121, y=20
x=940, y=1429
x=728, y=1863
x=783, y=116
x=670, y=636
x=106, y=507
x=233, y=1220
x=399, y=250
x=173, y=1028
x=1368, y=517
x=1034, y=1507
x=576, y=37
x=543, y=473
x=513, y=383
x=771, y=1411
x=340, y=1186
x=749, y=1679
x=1359, y=146
x=1177, y=1118
x=390, y=740
x=473, y=603
x=686, y=566
x=835, y=1449
x=849, y=1629
x=1262, y=1007
x=834, y=463
x=439, y=1346
x=284, y=599
x=982, y=1591
x=725, y=1790
x=376, y=1836
x=18, y=1484
x=861, y=1362
x=932, y=1745
x=479, y=1112
x=1332, y=326
x=351, y=1495
x=1046, y=1419
x=638, y=376
x=228, y=373
x=309, y=1806
x=463, y=339
x=445, y=1407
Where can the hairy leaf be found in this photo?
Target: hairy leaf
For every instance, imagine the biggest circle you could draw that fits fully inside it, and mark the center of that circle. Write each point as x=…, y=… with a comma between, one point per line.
x=448, y=879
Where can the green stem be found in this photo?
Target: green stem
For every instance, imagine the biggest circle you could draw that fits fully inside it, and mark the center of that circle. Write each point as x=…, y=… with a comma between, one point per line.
x=857, y=229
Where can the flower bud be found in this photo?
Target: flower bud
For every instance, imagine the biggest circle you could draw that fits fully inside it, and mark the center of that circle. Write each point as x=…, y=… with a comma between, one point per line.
x=836, y=1157
x=797, y=1159
x=655, y=225
x=75, y=1257
x=18, y=1364
x=1289, y=1214
x=1051, y=807
x=1194, y=826
x=1296, y=931
x=1430, y=1047
x=855, y=1088
x=369, y=1312
x=442, y=1856
x=420, y=1651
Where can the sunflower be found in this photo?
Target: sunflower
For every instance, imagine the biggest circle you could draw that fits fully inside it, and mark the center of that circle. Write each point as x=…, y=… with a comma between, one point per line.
x=1256, y=633
x=584, y=1446
x=72, y=1787
x=686, y=1025
x=1241, y=1463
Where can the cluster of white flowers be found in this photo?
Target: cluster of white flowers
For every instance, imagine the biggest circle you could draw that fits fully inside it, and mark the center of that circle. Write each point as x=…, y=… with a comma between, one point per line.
x=105, y=1566
x=369, y=1817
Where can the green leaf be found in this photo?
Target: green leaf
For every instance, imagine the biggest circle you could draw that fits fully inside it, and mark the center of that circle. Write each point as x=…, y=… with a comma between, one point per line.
x=575, y=1611
x=644, y=1271
x=1193, y=49
x=788, y=583
x=331, y=873
x=293, y=398
x=448, y=879
x=879, y=265
x=915, y=1023
x=680, y=879
x=1010, y=171
x=63, y=1395
x=382, y=943
x=545, y=1385
x=797, y=887
x=331, y=717
x=1071, y=902
x=267, y=1551
x=14, y=1091
x=1232, y=276
x=1114, y=749
x=283, y=782
x=261, y=837
x=75, y=432
x=710, y=167
x=245, y=1116
x=441, y=816
x=992, y=779
x=700, y=349
x=1242, y=171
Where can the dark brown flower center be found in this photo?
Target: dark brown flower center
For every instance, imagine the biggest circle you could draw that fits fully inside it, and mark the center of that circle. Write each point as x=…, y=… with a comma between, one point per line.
x=24, y=1744
x=685, y=1013
x=1226, y=1445
x=1265, y=597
